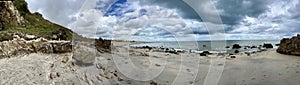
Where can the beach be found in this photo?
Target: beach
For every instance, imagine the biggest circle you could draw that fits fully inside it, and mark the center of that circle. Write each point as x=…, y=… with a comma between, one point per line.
x=141, y=66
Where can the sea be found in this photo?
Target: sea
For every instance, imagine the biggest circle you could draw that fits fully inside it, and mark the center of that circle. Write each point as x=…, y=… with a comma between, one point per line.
x=220, y=45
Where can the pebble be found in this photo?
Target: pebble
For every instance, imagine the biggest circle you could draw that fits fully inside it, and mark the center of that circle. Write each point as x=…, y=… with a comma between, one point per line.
x=157, y=65
x=65, y=59
x=54, y=75
x=153, y=83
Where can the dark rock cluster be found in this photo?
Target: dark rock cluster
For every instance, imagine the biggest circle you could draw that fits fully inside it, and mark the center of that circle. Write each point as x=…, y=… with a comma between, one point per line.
x=290, y=46
x=103, y=45
x=236, y=46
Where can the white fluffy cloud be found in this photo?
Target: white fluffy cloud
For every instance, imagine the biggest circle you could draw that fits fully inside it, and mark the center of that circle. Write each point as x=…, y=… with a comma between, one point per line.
x=131, y=20
x=275, y=23
x=144, y=23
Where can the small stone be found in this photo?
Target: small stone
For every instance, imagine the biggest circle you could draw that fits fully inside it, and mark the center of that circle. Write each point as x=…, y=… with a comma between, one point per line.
x=52, y=75
x=52, y=65
x=191, y=82
x=57, y=74
x=120, y=79
x=157, y=65
x=116, y=73
x=188, y=70
x=236, y=51
x=99, y=66
x=153, y=83
x=232, y=56
x=65, y=59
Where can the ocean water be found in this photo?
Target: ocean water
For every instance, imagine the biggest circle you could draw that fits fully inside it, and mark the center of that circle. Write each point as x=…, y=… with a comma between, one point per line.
x=210, y=45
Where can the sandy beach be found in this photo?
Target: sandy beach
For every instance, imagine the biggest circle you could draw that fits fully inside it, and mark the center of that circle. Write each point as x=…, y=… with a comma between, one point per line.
x=135, y=66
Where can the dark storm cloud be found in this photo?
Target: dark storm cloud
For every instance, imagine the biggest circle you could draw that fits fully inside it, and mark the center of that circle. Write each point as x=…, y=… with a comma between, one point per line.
x=234, y=10
x=231, y=11
x=184, y=9
x=242, y=19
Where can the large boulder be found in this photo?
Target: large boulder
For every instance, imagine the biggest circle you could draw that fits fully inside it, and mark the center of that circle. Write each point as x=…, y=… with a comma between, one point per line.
x=236, y=46
x=290, y=46
x=268, y=45
x=103, y=45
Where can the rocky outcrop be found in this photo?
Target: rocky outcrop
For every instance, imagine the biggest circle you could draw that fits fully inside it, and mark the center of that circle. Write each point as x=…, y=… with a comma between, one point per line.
x=59, y=35
x=236, y=46
x=9, y=14
x=290, y=46
x=268, y=45
x=19, y=46
x=103, y=45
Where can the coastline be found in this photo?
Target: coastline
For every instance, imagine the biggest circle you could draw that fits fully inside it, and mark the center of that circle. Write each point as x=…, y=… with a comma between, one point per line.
x=266, y=67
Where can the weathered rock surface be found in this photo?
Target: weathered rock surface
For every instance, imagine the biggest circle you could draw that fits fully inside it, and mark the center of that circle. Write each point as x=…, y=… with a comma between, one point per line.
x=9, y=14
x=290, y=46
x=19, y=46
x=103, y=45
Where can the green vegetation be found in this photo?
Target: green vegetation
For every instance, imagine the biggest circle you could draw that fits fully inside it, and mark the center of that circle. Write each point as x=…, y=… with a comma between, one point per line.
x=34, y=24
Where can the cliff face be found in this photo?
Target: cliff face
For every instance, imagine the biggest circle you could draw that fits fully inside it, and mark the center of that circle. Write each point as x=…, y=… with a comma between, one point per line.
x=290, y=46
x=9, y=14
x=16, y=20
x=15, y=17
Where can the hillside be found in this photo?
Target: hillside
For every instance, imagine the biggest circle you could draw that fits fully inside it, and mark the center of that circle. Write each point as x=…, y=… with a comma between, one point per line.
x=15, y=17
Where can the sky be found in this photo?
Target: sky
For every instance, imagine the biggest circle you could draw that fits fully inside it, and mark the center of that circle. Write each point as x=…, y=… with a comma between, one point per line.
x=173, y=20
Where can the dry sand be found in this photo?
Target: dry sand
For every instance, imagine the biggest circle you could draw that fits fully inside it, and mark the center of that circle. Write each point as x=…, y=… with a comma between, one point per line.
x=141, y=66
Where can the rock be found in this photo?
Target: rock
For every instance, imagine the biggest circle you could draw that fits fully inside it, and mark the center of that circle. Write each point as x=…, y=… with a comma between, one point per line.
x=153, y=83
x=236, y=51
x=83, y=54
x=103, y=45
x=99, y=66
x=157, y=65
x=65, y=59
x=120, y=79
x=236, y=46
x=253, y=47
x=203, y=54
x=23, y=47
x=173, y=51
x=115, y=73
x=290, y=46
x=227, y=47
x=30, y=37
x=9, y=14
x=147, y=47
x=54, y=75
x=268, y=45
x=59, y=35
x=248, y=53
x=61, y=47
x=232, y=56
x=206, y=52
x=43, y=47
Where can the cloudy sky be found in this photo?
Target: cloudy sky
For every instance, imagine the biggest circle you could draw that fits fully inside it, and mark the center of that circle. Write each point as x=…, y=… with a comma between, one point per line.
x=169, y=20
